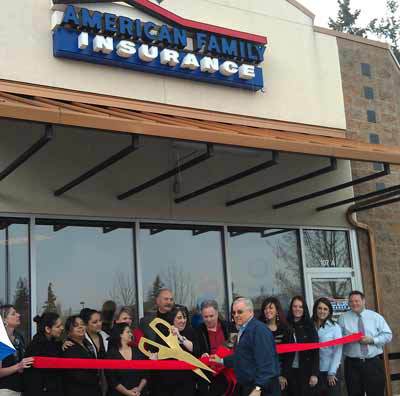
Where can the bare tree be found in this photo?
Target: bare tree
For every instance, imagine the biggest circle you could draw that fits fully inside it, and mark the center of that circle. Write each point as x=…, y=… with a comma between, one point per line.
x=181, y=283
x=123, y=291
x=326, y=248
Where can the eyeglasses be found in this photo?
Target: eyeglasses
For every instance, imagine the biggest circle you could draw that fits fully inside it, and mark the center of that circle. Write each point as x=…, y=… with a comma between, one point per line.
x=238, y=312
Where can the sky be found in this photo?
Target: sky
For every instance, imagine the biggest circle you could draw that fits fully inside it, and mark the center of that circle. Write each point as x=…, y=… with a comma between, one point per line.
x=323, y=9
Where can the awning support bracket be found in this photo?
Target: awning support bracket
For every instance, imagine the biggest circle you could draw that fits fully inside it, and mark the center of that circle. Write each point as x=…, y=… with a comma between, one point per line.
x=48, y=135
x=394, y=190
x=338, y=187
x=268, y=190
x=100, y=167
x=265, y=234
x=231, y=179
x=377, y=204
x=187, y=165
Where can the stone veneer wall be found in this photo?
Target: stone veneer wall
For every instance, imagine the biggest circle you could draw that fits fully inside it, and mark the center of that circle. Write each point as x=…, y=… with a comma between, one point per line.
x=384, y=80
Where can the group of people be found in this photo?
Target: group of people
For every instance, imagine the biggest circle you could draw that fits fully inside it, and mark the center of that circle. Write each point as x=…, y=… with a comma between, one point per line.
x=258, y=369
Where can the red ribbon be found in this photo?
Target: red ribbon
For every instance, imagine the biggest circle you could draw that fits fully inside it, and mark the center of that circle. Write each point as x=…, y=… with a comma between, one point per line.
x=106, y=364
x=41, y=362
x=287, y=348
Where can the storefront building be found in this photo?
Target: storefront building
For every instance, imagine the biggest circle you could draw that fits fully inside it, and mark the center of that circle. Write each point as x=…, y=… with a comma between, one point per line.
x=146, y=145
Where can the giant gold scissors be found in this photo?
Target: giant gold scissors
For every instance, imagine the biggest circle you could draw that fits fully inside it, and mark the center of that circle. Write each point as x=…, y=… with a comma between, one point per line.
x=173, y=350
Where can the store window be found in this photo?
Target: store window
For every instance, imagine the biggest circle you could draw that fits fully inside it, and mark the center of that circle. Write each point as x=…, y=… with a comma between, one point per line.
x=327, y=249
x=186, y=259
x=83, y=264
x=265, y=262
x=14, y=268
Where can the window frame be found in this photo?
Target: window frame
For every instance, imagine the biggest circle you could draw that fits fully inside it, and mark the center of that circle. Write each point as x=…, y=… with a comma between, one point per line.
x=355, y=271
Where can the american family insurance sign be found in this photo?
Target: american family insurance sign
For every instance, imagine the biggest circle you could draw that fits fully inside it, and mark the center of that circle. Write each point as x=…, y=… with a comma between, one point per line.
x=178, y=48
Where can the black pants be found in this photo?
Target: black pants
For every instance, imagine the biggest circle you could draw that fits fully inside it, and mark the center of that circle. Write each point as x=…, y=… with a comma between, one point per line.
x=273, y=389
x=365, y=376
x=173, y=383
x=217, y=386
x=323, y=387
x=298, y=383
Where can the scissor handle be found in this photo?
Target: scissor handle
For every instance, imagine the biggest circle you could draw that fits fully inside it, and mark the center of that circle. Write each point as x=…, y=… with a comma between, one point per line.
x=163, y=351
x=170, y=339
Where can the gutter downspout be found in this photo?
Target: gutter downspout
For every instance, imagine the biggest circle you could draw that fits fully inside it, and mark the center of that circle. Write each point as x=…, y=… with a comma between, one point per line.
x=352, y=218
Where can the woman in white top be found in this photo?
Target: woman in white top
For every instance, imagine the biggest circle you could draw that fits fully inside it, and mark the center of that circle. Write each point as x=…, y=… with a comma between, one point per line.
x=329, y=358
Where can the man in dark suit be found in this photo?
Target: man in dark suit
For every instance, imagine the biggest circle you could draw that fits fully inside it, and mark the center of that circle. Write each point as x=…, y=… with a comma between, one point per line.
x=254, y=360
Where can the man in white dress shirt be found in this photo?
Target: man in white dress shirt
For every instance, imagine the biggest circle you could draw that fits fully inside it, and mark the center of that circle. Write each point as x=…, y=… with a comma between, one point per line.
x=363, y=365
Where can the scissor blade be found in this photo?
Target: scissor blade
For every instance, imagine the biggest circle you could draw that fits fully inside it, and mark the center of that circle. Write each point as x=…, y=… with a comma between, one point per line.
x=201, y=374
x=188, y=358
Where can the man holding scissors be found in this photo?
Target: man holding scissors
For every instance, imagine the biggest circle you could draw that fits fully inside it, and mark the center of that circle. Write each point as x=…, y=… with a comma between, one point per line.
x=255, y=360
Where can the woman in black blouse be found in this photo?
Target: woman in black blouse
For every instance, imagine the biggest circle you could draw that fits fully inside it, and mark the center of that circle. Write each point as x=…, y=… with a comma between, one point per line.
x=274, y=317
x=12, y=367
x=79, y=382
x=179, y=383
x=123, y=382
x=46, y=342
x=301, y=369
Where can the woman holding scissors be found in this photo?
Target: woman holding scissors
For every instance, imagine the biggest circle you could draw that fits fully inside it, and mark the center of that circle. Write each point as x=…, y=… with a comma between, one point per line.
x=179, y=383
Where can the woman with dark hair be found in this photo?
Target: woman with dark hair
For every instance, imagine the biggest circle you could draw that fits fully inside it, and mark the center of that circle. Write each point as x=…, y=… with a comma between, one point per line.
x=94, y=335
x=12, y=366
x=46, y=342
x=79, y=382
x=329, y=358
x=123, y=382
x=274, y=317
x=179, y=383
x=301, y=369
x=97, y=339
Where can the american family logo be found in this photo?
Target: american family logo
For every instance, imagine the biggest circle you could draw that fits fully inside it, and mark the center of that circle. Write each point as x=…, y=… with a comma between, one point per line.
x=179, y=48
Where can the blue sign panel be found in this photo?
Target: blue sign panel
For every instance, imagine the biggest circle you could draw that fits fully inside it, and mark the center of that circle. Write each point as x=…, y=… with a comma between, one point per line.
x=145, y=57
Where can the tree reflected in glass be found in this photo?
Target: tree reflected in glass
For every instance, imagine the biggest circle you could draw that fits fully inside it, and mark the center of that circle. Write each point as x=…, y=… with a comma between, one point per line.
x=82, y=266
x=187, y=261
x=326, y=249
x=265, y=263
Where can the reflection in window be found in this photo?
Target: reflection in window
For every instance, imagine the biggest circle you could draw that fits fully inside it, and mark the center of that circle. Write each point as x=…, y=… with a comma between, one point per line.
x=14, y=267
x=265, y=263
x=327, y=249
x=82, y=266
x=336, y=290
x=186, y=259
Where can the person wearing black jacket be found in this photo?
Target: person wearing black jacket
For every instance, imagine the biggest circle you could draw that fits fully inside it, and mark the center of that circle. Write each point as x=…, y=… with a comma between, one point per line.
x=301, y=369
x=212, y=334
x=79, y=382
x=123, y=382
x=273, y=316
x=179, y=383
x=42, y=382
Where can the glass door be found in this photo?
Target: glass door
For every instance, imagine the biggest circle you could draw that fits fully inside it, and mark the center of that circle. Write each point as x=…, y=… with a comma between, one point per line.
x=334, y=287
x=330, y=269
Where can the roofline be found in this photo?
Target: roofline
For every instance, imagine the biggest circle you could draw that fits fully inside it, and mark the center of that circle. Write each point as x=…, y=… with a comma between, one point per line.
x=358, y=39
x=303, y=9
x=351, y=37
x=168, y=16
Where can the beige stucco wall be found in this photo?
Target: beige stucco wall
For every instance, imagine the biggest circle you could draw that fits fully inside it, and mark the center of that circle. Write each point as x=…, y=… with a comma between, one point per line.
x=302, y=72
x=73, y=151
